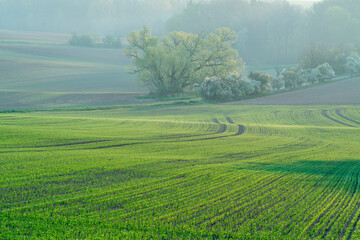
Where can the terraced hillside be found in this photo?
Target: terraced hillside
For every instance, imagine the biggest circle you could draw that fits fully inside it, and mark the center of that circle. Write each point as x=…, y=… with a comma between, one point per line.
x=181, y=172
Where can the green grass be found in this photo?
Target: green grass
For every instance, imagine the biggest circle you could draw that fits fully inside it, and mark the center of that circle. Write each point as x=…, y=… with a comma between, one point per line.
x=164, y=172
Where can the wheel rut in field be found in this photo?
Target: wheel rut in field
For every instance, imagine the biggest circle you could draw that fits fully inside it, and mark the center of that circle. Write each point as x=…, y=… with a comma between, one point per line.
x=241, y=127
x=324, y=113
x=222, y=126
x=72, y=144
x=230, y=120
x=241, y=130
x=338, y=112
x=222, y=129
x=118, y=145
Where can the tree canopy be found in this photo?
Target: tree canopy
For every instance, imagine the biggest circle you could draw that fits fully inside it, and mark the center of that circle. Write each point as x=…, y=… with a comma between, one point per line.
x=168, y=65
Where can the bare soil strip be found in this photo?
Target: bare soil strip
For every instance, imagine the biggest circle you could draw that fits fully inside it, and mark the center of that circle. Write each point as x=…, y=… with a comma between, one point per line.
x=325, y=114
x=338, y=112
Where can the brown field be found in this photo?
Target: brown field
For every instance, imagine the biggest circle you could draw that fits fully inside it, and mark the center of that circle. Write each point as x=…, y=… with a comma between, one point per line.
x=337, y=93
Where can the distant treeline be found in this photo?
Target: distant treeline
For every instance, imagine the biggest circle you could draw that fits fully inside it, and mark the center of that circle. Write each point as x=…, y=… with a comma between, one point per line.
x=84, y=16
x=276, y=32
x=84, y=40
x=272, y=33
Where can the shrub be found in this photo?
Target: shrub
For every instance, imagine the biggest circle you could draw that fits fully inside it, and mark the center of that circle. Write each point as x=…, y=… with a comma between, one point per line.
x=112, y=42
x=292, y=78
x=352, y=65
x=310, y=75
x=326, y=72
x=228, y=88
x=278, y=83
x=264, y=79
x=81, y=40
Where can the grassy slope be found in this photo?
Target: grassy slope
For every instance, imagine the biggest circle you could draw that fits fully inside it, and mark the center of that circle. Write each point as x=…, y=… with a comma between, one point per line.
x=133, y=172
x=47, y=76
x=23, y=71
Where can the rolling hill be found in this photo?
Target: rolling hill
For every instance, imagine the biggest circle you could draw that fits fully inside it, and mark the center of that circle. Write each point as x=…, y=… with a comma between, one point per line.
x=38, y=70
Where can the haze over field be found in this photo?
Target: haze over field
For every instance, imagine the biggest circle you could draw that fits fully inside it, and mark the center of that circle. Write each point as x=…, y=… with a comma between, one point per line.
x=296, y=46
x=276, y=33
x=94, y=15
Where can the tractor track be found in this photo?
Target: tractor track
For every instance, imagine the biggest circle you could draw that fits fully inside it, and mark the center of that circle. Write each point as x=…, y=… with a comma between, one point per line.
x=338, y=112
x=324, y=113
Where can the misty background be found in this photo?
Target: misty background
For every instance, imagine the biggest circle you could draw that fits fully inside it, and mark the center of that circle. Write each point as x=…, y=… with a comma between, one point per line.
x=270, y=32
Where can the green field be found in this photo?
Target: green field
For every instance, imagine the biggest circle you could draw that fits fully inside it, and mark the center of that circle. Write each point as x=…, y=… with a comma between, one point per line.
x=181, y=172
x=97, y=162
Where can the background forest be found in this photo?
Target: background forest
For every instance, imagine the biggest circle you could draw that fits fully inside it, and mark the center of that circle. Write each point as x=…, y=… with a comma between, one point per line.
x=276, y=32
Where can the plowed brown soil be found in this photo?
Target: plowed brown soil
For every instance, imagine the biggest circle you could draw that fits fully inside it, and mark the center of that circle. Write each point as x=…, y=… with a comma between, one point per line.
x=336, y=93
